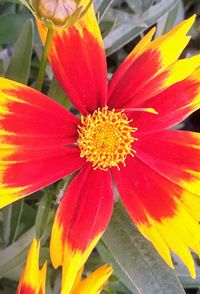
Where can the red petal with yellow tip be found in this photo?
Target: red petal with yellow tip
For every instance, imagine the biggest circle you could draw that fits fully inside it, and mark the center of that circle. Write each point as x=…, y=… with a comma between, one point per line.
x=34, y=144
x=82, y=217
x=173, y=105
x=77, y=57
x=33, y=279
x=178, y=162
x=151, y=68
x=163, y=211
x=125, y=66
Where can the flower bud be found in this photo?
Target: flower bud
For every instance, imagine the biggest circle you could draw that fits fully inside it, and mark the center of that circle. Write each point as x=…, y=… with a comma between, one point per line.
x=58, y=13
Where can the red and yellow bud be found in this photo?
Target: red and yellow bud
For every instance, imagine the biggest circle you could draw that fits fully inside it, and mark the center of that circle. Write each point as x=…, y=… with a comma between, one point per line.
x=33, y=279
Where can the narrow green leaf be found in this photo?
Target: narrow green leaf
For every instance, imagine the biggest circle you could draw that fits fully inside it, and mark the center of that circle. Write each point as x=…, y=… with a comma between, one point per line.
x=10, y=26
x=146, y=4
x=139, y=6
x=108, y=258
x=26, y=221
x=19, y=66
x=140, y=265
x=123, y=40
x=6, y=223
x=47, y=231
x=106, y=27
x=185, y=278
x=43, y=210
x=129, y=26
x=17, y=210
x=15, y=273
x=57, y=94
x=170, y=19
x=10, y=1
x=156, y=11
x=1, y=66
x=16, y=253
x=176, y=13
x=126, y=29
x=135, y=5
x=103, y=7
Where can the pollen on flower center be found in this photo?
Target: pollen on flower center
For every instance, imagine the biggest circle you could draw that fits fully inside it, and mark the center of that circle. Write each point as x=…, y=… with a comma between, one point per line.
x=105, y=138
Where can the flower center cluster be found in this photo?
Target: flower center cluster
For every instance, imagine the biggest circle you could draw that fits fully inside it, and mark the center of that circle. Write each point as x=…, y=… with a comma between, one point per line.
x=105, y=138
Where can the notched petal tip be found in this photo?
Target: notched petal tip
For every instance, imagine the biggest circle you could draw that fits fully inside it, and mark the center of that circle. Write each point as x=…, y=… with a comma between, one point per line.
x=94, y=282
x=33, y=278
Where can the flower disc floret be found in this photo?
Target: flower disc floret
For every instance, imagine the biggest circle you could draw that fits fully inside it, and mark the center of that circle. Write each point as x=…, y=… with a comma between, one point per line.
x=105, y=138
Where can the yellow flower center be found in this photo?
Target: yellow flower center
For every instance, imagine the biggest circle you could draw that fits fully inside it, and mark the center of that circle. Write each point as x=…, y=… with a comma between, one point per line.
x=105, y=138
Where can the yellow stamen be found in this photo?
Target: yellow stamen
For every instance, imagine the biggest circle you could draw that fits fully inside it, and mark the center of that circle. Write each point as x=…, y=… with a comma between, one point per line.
x=105, y=138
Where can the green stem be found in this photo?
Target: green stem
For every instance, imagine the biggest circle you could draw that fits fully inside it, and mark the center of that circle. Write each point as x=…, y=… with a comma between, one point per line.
x=43, y=63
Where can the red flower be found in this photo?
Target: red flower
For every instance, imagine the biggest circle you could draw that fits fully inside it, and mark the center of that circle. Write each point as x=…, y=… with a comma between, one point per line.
x=156, y=170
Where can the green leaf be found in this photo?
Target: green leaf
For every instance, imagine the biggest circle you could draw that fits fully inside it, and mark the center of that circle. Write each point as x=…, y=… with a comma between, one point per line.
x=185, y=278
x=139, y=6
x=146, y=4
x=16, y=253
x=126, y=29
x=15, y=273
x=6, y=223
x=176, y=13
x=10, y=1
x=57, y=94
x=10, y=26
x=139, y=266
x=26, y=221
x=158, y=10
x=17, y=210
x=170, y=19
x=43, y=211
x=1, y=67
x=129, y=26
x=19, y=66
x=103, y=6
x=106, y=255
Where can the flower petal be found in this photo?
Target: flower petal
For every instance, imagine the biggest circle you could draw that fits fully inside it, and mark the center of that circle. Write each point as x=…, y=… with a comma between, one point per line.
x=77, y=57
x=173, y=105
x=167, y=214
x=94, y=283
x=124, y=66
x=81, y=219
x=151, y=68
x=33, y=279
x=180, y=160
x=34, y=145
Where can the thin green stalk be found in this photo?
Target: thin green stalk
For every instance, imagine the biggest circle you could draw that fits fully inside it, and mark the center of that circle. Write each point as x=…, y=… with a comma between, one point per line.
x=43, y=63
